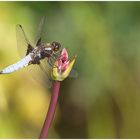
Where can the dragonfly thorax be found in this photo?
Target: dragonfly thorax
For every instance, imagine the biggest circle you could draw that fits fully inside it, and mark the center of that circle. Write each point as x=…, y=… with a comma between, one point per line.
x=43, y=50
x=46, y=52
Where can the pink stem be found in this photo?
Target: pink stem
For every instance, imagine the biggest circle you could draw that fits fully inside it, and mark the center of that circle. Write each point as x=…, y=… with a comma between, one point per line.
x=51, y=111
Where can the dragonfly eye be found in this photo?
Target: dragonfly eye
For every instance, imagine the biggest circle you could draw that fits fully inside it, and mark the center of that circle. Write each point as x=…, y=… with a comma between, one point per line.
x=56, y=46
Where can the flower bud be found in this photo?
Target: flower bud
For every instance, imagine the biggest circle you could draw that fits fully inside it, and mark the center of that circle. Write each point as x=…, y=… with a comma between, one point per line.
x=62, y=66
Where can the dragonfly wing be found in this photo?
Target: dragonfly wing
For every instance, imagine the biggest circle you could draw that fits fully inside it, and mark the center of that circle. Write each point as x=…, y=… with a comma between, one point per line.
x=46, y=75
x=44, y=65
x=40, y=32
x=41, y=73
x=23, y=44
x=73, y=74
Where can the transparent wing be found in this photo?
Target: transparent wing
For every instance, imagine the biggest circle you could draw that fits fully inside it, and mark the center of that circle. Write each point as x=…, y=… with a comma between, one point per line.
x=41, y=75
x=46, y=73
x=40, y=32
x=73, y=74
x=44, y=64
x=23, y=44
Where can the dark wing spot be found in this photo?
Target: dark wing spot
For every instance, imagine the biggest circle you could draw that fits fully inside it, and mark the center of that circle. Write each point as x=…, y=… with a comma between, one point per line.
x=30, y=48
x=20, y=25
x=38, y=42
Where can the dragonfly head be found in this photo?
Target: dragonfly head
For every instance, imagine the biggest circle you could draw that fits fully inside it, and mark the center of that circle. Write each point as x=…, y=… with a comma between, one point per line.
x=56, y=46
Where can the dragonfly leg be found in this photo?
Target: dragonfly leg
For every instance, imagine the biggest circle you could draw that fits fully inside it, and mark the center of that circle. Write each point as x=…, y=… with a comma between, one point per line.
x=56, y=55
x=51, y=63
x=53, y=57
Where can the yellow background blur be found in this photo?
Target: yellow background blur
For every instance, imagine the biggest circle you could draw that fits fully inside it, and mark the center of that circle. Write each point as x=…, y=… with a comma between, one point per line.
x=104, y=101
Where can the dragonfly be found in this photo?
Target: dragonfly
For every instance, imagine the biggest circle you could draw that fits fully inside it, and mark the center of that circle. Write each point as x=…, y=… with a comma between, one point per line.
x=34, y=54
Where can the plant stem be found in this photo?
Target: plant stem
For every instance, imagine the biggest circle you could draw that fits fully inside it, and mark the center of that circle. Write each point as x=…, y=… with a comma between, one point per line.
x=51, y=111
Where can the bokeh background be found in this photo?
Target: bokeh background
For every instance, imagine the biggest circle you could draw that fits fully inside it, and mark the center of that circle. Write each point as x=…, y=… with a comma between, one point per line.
x=104, y=100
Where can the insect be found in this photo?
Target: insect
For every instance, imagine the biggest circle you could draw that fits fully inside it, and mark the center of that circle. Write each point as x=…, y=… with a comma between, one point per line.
x=35, y=54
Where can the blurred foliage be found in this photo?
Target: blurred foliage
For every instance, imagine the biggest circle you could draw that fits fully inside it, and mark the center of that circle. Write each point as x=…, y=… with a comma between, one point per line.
x=104, y=101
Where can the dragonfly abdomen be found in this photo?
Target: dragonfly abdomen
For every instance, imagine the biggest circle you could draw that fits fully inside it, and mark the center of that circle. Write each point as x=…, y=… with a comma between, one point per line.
x=19, y=65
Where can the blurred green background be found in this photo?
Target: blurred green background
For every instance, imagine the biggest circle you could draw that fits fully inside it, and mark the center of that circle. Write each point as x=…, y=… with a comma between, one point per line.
x=104, y=101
